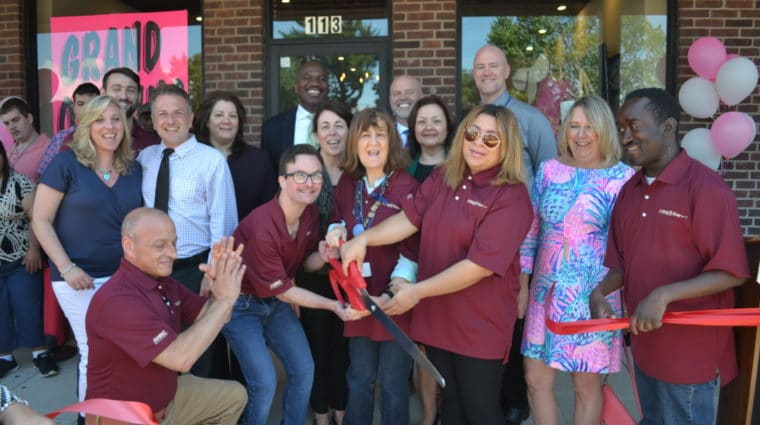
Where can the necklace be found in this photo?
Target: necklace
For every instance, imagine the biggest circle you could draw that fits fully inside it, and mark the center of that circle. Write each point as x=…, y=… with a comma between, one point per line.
x=106, y=173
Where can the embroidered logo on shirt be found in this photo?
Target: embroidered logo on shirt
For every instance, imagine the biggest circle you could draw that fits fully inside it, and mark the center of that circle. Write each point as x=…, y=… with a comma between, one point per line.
x=160, y=337
x=476, y=203
x=672, y=214
x=308, y=233
x=275, y=284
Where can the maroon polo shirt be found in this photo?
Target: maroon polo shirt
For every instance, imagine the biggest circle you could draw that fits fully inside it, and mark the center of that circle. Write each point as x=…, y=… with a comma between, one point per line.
x=382, y=259
x=685, y=223
x=482, y=223
x=271, y=256
x=128, y=325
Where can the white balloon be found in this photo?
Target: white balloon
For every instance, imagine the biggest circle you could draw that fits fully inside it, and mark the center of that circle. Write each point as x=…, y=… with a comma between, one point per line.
x=736, y=79
x=698, y=97
x=698, y=145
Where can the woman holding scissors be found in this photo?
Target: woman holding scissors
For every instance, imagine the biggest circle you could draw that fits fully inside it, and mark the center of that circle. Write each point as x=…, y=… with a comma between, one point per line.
x=371, y=189
x=472, y=214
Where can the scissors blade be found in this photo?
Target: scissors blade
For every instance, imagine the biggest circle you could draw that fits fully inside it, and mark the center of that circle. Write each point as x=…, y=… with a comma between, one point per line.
x=406, y=344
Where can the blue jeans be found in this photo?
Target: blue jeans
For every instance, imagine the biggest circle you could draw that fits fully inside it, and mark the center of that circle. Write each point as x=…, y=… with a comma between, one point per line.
x=675, y=404
x=255, y=325
x=387, y=363
x=20, y=308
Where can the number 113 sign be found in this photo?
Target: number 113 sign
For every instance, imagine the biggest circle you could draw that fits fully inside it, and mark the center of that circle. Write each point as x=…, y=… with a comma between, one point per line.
x=323, y=25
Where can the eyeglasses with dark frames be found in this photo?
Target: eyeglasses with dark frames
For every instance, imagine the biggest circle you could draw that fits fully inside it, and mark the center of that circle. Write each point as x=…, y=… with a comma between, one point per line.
x=490, y=140
x=301, y=177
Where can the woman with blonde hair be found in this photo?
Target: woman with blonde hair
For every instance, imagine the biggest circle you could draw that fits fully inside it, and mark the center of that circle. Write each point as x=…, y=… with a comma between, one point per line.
x=572, y=197
x=472, y=214
x=81, y=201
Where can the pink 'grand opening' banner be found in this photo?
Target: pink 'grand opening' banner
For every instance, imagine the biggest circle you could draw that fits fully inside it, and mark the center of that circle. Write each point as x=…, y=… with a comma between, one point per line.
x=84, y=48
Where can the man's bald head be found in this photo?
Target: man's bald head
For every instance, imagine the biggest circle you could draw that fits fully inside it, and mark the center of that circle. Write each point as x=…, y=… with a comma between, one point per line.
x=490, y=69
x=149, y=241
x=133, y=219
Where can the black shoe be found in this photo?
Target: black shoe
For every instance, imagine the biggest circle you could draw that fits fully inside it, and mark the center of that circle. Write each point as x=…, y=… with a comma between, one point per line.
x=7, y=366
x=516, y=415
x=46, y=365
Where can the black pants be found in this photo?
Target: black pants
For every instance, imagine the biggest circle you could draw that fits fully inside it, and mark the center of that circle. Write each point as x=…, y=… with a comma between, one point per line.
x=329, y=348
x=471, y=395
x=514, y=390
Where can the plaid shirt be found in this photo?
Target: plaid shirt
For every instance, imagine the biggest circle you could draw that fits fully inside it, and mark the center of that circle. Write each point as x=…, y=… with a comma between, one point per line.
x=54, y=148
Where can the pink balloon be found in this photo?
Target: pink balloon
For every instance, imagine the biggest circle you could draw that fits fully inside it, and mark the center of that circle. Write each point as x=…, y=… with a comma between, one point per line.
x=706, y=55
x=732, y=132
x=732, y=56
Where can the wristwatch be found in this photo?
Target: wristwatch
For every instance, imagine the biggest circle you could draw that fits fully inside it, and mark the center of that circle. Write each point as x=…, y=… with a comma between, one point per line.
x=8, y=399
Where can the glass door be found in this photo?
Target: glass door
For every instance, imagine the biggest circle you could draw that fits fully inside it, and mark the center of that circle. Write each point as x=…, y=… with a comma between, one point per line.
x=358, y=72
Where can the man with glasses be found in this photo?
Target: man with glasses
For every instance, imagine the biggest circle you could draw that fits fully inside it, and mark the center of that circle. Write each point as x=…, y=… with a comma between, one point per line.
x=280, y=237
x=133, y=328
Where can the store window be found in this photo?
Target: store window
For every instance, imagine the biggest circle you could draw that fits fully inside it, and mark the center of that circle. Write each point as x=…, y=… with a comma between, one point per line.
x=79, y=42
x=559, y=51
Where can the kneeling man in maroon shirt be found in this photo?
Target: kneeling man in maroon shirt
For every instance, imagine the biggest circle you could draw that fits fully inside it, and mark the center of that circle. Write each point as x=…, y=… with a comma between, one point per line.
x=133, y=327
x=676, y=244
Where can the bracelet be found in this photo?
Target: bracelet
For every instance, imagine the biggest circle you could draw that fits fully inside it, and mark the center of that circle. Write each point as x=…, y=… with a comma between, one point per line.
x=388, y=292
x=69, y=268
x=7, y=399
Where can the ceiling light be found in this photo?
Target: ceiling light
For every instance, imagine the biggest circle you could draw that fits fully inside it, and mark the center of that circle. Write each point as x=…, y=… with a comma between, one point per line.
x=529, y=48
x=341, y=58
x=561, y=7
x=199, y=18
x=542, y=31
x=285, y=1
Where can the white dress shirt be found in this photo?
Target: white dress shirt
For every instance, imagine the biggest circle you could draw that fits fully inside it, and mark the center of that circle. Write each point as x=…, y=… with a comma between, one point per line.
x=403, y=132
x=201, y=194
x=304, y=121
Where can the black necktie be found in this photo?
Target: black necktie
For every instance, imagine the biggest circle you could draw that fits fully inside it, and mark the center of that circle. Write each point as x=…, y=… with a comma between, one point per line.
x=162, y=182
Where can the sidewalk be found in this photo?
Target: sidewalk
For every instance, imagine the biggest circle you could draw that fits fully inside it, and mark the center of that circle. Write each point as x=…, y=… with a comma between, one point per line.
x=48, y=394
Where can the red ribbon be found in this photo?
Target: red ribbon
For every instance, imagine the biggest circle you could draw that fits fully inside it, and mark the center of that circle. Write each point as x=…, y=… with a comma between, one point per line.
x=717, y=317
x=134, y=412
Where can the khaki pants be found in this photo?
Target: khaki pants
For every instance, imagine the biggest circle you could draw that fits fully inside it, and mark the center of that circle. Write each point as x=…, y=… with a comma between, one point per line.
x=198, y=401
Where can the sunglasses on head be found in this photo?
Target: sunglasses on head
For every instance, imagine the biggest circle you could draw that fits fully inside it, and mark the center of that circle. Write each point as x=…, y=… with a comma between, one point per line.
x=490, y=140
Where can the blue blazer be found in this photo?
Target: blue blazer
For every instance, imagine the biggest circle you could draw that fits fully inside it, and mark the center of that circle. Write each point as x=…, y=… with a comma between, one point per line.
x=277, y=134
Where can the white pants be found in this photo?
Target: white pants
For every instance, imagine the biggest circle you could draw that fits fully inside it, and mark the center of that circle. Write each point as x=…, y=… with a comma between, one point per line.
x=74, y=305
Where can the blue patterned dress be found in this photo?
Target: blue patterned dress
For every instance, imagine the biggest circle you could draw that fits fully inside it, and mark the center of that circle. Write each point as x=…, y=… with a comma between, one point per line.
x=565, y=247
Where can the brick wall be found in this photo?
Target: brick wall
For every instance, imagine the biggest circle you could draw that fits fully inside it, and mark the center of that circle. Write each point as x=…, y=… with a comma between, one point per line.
x=233, y=55
x=12, y=53
x=424, y=45
x=737, y=24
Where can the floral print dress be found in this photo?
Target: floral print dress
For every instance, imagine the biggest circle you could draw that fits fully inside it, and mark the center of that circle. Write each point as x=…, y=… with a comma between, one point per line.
x=565, y=247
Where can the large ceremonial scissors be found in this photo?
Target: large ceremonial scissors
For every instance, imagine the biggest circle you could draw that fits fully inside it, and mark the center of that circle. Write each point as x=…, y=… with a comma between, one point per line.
x=355, y=288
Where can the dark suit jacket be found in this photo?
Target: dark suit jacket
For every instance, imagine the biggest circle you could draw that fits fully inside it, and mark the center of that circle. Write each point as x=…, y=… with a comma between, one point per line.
x=277, y=134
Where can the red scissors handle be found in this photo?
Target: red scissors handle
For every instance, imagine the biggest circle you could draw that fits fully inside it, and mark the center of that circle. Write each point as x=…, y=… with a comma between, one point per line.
x=350, y=284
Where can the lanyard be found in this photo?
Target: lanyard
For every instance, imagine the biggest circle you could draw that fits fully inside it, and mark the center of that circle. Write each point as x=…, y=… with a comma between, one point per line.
x=362, y=223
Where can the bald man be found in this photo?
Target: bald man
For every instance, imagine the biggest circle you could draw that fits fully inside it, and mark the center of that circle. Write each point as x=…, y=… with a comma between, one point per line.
x=490, y=69
x=405, y=91
x=295, y=126
x=133, y=328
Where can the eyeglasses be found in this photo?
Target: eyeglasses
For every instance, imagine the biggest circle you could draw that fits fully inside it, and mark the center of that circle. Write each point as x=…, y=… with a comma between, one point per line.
x=300, y=177
x=490, y=140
